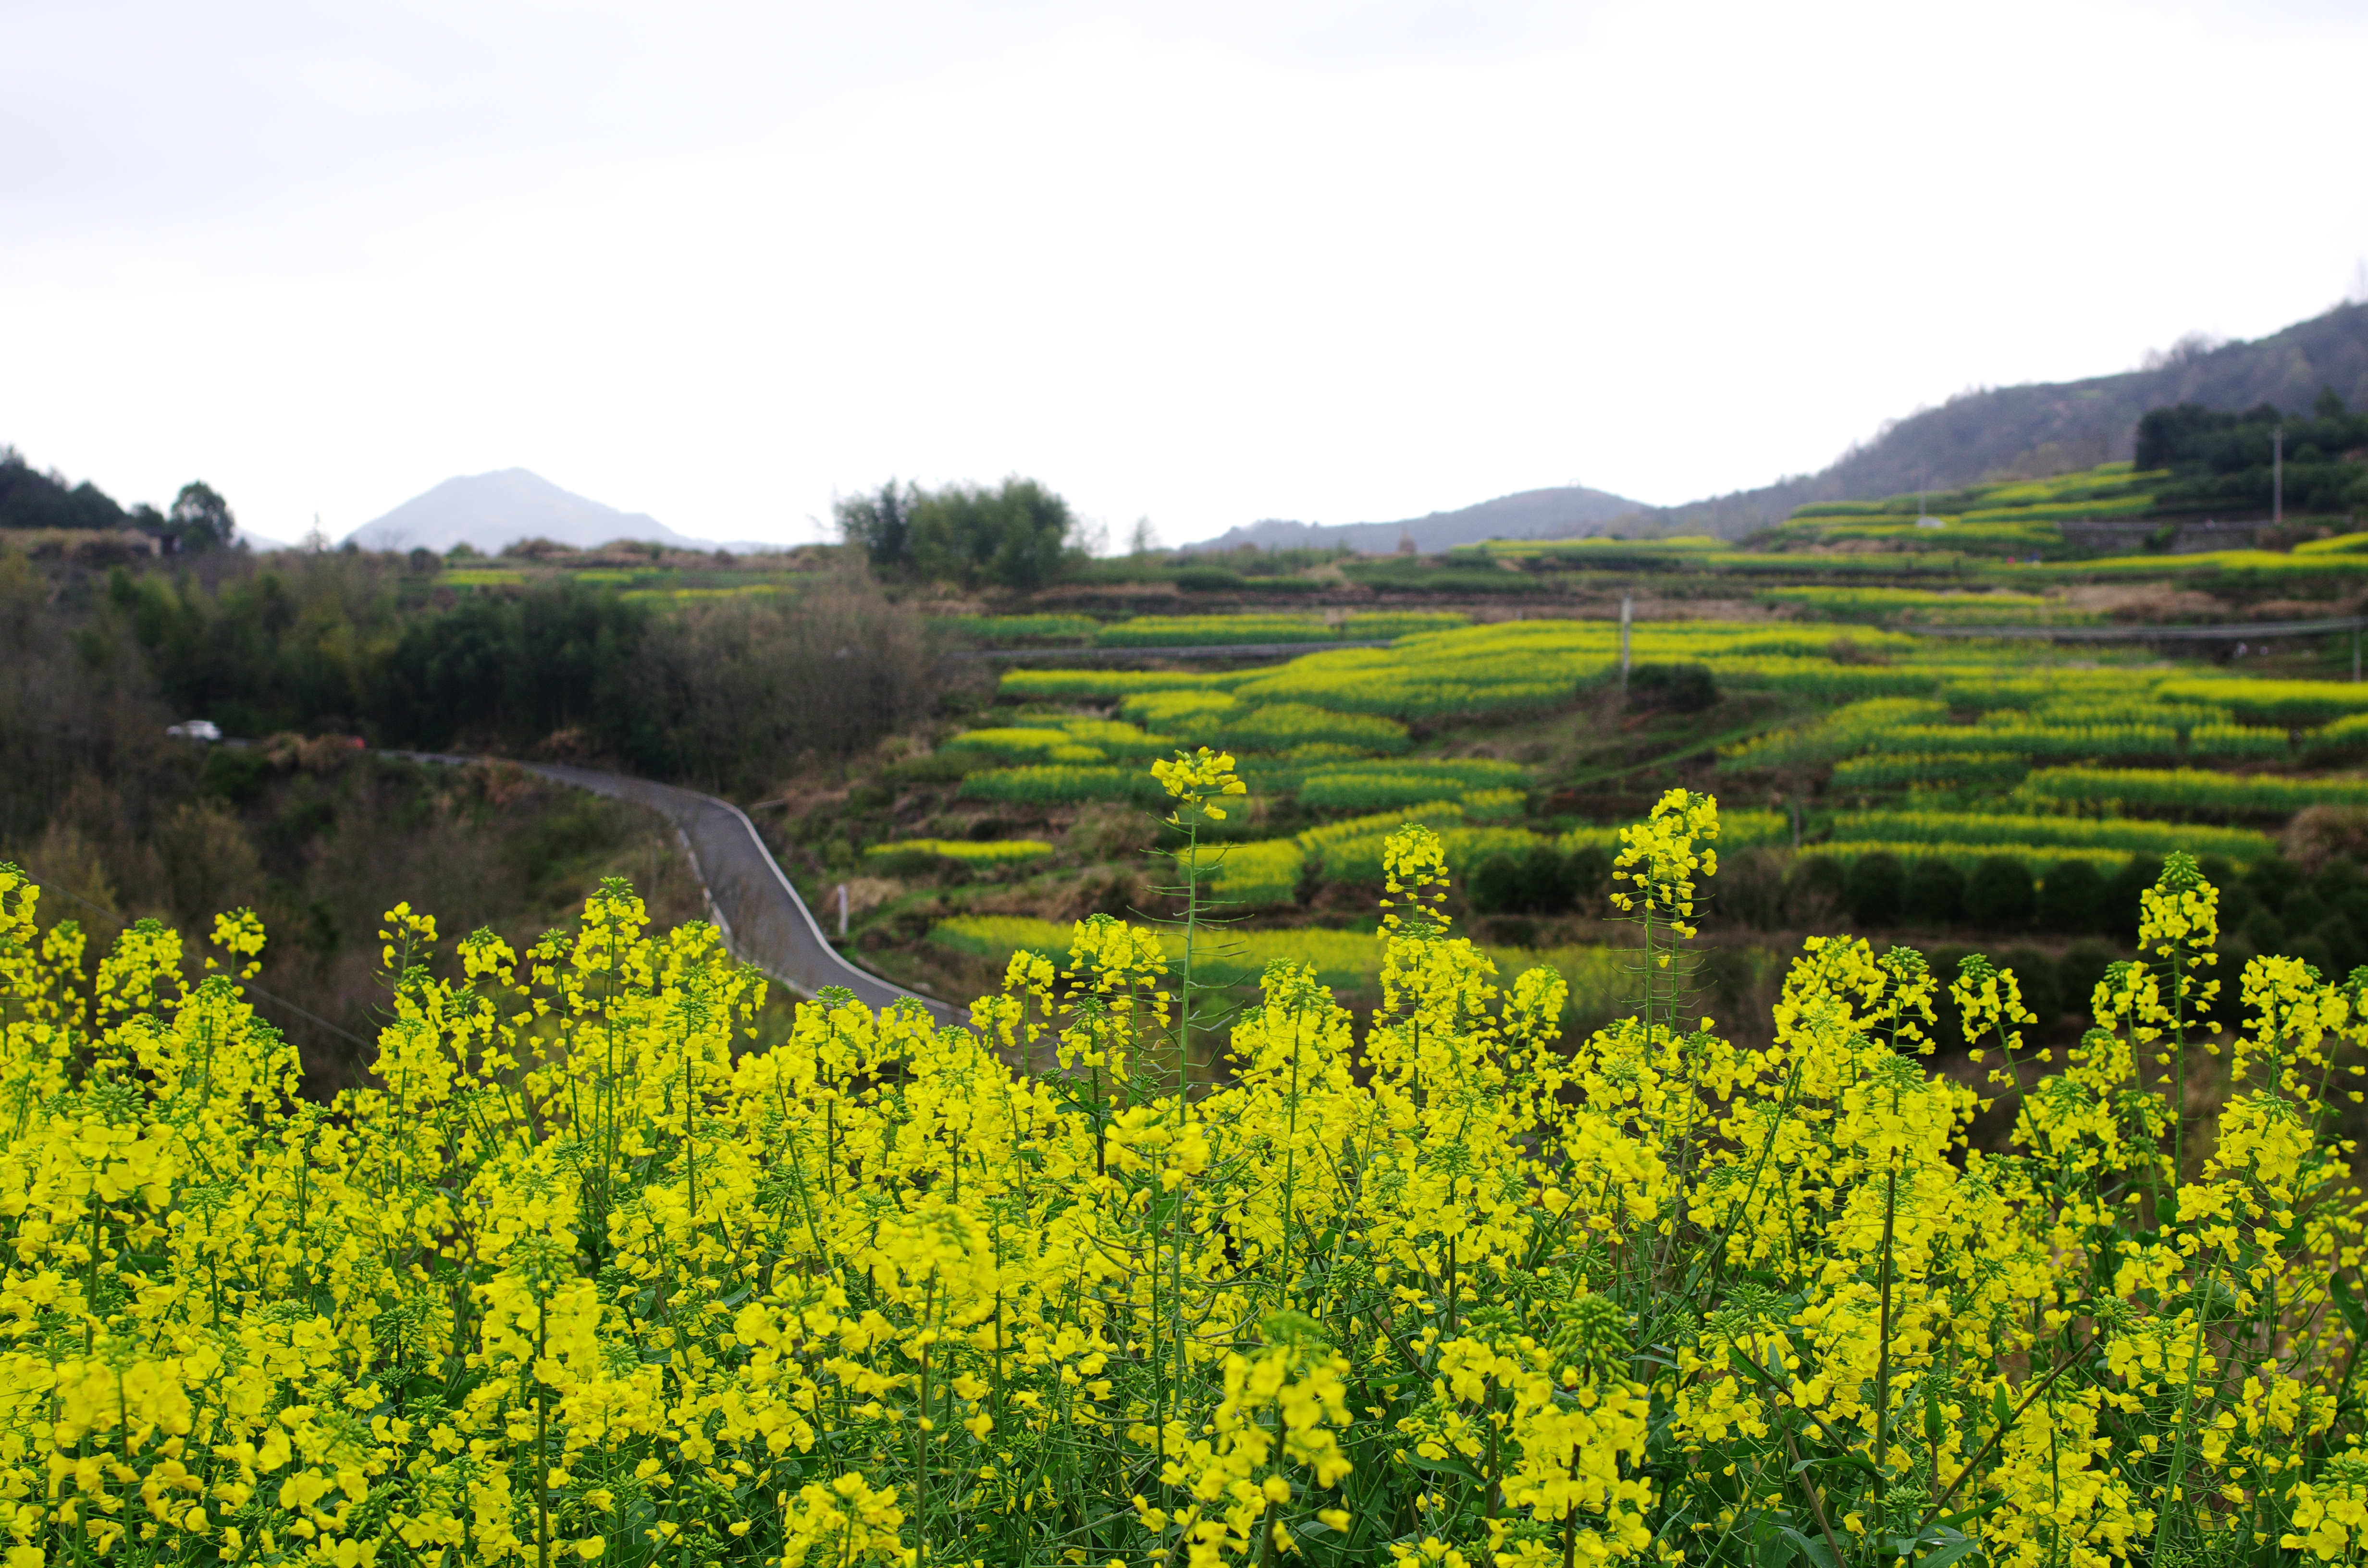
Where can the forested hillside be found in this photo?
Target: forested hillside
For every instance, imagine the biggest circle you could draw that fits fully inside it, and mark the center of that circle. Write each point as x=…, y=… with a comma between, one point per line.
x=2031, y=432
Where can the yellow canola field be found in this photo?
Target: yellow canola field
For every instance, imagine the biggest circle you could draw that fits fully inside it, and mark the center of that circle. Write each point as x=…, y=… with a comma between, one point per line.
x=1092, y=1279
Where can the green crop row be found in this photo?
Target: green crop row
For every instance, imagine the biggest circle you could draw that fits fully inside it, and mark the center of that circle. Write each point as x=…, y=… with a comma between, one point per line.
x=1218, y=718
x=1841, y=602
x=1965, y=856
x=1284, y=726
x=1057, y=785
x=1359, y=859
x=2261, y=564
x=1836, y=734
x=1381, y=786
x=2237, y=740
x=1032, y=746
x=1218, y=631
x=2183, y=716
x=993, y=852
x=1074, y=685
x=1121, y=741
x=2258, y=794
x=2351, y=732
x=1679, y=545
x=1345, y=961
x=1890, y=769
x=1008, y=627
x=1268, y=870
x=2034, y=740
x=2290, y=703
x=1736, y=830
x=1263, y=871
x=2128, y=836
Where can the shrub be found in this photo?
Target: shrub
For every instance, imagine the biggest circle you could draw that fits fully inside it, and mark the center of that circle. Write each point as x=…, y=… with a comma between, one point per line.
x=1934, y=893
x=1873, y=888
x=1813, y=891
x=1997, y=894
x=1538, y=881
x=1675, y=689
x=2072, y=899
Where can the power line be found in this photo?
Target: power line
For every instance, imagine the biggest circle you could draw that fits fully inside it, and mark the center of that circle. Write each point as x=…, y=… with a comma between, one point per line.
x=122, y=924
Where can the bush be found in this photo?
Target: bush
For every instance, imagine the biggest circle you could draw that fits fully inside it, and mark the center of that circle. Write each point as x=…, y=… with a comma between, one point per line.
x=1997, y=894
x=1813, y=891
x=1934, y=894
x=1538, y=881
x=1750, y=890
x=2072, y=899
x=1671, y=688
x=1872, y=889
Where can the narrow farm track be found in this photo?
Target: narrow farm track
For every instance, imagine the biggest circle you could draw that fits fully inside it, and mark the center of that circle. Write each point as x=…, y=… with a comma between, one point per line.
x=763, y=919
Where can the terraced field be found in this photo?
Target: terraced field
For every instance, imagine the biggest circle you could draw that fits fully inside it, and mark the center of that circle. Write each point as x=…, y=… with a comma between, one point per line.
x=1953, y=792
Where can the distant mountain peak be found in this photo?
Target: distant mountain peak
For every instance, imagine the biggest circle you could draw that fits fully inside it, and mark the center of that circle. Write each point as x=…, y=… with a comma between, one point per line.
x=489, y=511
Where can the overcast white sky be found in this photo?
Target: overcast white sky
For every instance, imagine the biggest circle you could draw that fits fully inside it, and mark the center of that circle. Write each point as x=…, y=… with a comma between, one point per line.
x=1204, y=263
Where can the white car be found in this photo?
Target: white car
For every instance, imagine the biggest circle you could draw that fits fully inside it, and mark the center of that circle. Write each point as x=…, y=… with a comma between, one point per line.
x=195, y=729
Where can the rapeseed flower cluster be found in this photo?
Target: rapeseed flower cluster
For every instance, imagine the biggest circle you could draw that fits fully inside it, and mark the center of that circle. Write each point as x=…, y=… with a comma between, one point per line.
x=579, y=1277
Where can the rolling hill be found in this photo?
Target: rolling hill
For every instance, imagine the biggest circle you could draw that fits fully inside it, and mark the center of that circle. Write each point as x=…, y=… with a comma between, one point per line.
x=1555, y=513
x=2047, y=428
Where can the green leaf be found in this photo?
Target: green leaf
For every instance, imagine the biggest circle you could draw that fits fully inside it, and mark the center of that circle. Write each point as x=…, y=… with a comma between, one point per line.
x=2355, y=1315
x=1817, y=1552
x=1950, y=1553
x=1745, y=1368
x=1443, y=1467
x=1772, y=1551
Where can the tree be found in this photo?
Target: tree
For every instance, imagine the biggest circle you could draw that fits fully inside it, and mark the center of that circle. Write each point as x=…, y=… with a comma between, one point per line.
x=1998, y=892
x=1935, y=893
x=1873, y=888
x=1013, y=536
x=2073, y=899
x=201, y=518
x=881, y=524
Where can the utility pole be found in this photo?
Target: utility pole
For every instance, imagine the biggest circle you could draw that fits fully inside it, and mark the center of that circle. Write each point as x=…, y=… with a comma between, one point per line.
x=842, y=912
x=1627, y=608
x=2278, y=474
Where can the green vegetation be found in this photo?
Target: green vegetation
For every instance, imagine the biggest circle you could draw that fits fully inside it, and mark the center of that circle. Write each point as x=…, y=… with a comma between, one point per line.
x=198, y=520
x=2224, y=462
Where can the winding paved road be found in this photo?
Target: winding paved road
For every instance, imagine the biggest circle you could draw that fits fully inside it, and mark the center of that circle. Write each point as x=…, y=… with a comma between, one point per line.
x=763, y=919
